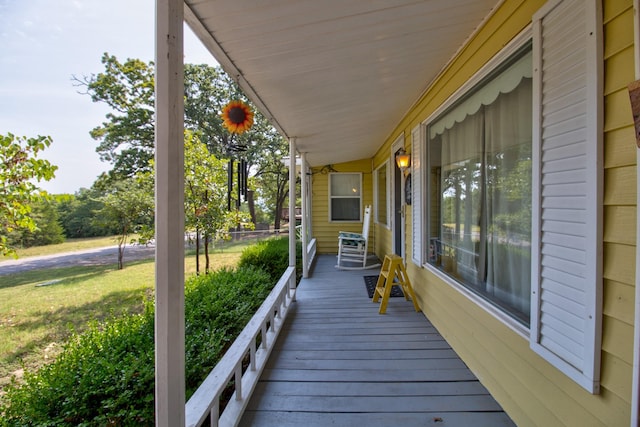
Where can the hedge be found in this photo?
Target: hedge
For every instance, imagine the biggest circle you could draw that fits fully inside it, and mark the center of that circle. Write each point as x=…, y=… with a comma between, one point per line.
x=272, y=256
x=105, y=376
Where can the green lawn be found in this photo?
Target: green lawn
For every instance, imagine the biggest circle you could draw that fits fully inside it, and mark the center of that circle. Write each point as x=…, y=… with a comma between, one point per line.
x=39, y=309
x=69, y=245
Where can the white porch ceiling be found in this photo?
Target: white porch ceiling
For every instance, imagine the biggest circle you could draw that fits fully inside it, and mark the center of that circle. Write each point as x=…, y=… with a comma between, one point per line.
x=337, y=75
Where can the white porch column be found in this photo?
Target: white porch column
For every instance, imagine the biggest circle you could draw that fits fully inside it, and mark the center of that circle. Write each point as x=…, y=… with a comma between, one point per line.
x=292, y=202
x=169, y=157
x=305, y=206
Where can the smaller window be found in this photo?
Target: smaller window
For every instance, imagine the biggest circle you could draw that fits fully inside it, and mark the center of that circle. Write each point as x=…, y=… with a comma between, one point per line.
x=345, y=197
x=381, y=192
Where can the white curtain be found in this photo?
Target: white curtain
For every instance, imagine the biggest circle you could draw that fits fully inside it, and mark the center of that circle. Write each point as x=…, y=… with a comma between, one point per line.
x=485, y=188
x=461, y=160
x=508, y=197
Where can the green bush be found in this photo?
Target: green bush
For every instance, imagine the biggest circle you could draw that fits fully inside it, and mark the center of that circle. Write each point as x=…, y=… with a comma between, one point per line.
x=105, y=376
x=222, y=302
x=271, y=255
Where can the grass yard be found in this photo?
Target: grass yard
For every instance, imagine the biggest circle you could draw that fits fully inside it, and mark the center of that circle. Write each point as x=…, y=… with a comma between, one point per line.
x=40, y=309
x=69, y=245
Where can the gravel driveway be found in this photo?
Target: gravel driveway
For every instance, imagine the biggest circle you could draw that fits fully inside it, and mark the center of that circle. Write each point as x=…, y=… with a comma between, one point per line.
x=98, y=256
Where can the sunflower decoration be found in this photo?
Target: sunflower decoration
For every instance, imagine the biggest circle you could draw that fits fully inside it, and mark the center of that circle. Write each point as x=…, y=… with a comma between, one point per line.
x=237, y=117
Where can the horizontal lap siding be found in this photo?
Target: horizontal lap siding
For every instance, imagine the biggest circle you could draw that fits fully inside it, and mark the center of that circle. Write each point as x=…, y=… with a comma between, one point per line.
x=619, y=208
x=380, y=232
x=532, y=391
x=326, y=232
x=382, y=240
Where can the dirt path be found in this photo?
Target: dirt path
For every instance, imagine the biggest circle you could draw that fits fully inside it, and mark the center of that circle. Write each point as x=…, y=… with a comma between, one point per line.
x=98, y=256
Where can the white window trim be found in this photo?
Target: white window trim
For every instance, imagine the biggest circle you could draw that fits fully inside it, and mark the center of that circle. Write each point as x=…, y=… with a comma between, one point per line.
x=387, y=224
x=418, y=203
x=511, y=48
x=331, y=197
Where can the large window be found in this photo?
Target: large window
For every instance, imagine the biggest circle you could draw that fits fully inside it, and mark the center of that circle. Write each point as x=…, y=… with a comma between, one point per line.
x=381, y=190
x=345, y=197
x=479, y=196
x=508, y=177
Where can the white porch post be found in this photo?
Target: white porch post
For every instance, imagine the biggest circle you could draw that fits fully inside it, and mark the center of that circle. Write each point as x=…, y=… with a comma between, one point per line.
x=169, y=157
x=305, y=206
x=292, y=202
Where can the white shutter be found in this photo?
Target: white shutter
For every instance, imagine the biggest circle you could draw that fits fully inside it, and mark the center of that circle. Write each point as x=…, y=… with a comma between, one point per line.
x=566, y=283
x=416, y=197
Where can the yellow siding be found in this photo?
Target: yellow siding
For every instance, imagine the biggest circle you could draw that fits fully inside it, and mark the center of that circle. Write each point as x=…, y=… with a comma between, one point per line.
x=620, y=224
x=324, y=231
x=618, y=301
x=619, y=148
x=383, y=237
x=383, y=240
x=531, y=390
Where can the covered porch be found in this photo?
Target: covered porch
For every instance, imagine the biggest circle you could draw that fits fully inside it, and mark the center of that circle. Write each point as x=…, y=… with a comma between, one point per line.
x=338, y=362
x=354, y=84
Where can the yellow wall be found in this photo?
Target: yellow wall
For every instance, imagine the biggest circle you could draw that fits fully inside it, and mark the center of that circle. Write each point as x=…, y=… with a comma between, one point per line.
x=531, y=390
x=324, y=231
x=384, y=238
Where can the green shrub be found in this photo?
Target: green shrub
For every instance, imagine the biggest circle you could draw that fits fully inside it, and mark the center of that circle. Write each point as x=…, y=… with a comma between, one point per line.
x=105, y=376
x=271, y=255
x=223, y=302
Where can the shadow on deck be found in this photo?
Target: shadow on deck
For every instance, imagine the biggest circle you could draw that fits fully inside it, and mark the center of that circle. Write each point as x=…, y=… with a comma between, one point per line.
x=338, y=362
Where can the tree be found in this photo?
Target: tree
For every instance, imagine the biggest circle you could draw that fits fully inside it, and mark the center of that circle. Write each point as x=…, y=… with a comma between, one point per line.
x=272, y=178
x=20, y=168
x=77, y=213
x=48, y=232
x=129, y=208
x=126, y=139
x=205, y=196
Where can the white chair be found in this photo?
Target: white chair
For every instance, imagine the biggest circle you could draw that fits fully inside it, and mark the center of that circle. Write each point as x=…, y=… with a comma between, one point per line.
x=352, y=247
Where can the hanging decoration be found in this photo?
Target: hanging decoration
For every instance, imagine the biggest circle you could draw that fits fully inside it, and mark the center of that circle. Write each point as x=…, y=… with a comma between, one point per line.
x=243, y=175
x=237, y=117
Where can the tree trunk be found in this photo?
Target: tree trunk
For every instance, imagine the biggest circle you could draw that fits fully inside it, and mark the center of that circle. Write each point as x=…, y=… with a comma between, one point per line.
x=120, y=256
x=280, y=199
x=122, y=242
x=206, y=253
x=252, y=206
x=197, y=251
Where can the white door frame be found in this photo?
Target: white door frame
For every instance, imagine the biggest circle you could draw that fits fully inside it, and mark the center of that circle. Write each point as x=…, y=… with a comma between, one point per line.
x=397, y=144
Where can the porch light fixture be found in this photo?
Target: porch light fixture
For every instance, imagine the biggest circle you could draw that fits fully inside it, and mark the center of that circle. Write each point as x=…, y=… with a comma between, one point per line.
x=403, y=160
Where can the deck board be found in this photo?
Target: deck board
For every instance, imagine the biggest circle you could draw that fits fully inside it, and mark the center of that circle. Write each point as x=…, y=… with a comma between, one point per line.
x=338, y=362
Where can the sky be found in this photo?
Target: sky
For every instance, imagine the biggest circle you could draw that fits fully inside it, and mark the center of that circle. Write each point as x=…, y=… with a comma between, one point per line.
x=43, y=44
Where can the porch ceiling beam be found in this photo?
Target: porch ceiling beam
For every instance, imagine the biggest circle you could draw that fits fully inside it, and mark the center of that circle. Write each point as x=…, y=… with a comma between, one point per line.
x=169, y=266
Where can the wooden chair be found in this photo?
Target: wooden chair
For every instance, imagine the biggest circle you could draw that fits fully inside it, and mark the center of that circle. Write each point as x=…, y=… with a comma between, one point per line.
x=352, y=247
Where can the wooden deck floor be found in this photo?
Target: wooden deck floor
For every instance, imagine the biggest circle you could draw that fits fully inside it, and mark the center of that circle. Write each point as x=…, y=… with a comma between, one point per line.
x=338, y=362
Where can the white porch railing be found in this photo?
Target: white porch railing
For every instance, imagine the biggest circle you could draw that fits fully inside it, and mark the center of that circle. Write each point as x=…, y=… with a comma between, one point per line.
x=265, y=326
x=310, y=255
